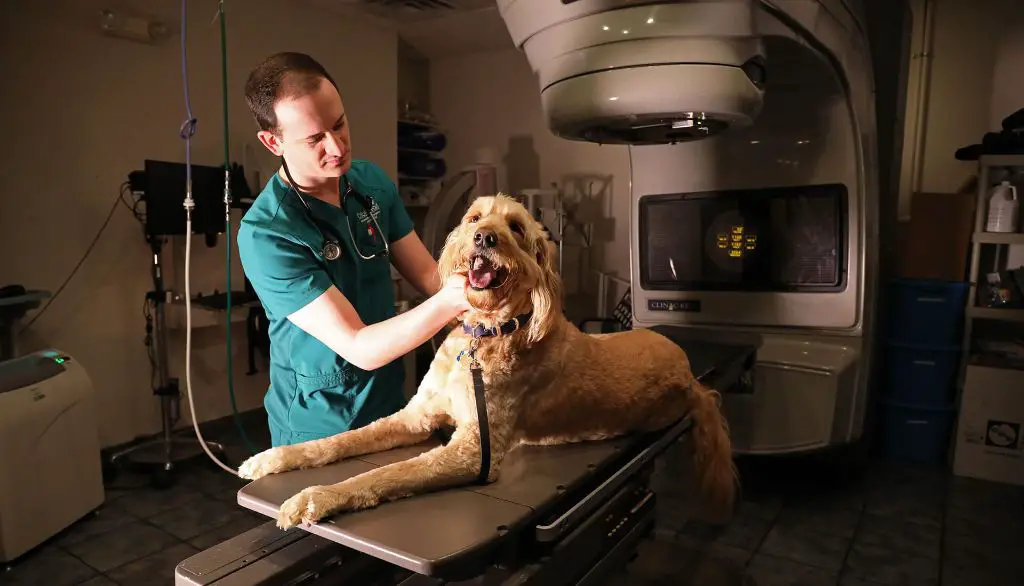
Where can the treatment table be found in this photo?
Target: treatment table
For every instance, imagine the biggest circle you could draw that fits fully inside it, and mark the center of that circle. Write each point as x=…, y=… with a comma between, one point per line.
x=558, y=515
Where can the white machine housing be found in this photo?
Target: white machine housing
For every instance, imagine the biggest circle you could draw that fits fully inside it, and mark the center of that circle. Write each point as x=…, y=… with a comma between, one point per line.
x=50, y=466
x=614, y=71
x=751, y=127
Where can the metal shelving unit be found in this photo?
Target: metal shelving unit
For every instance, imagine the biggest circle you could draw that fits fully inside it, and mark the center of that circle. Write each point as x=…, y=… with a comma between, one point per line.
x=986, y=164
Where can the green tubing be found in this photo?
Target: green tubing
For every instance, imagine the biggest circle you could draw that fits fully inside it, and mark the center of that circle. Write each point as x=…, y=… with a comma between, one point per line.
x=227, y=227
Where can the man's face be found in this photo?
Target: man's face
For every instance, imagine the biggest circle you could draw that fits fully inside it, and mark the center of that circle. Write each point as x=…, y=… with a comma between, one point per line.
x=312, y=133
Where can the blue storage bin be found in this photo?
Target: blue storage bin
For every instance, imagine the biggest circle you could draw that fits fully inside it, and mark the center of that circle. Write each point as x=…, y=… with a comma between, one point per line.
x=926, y=312
x=916, y=434
x=921, y=375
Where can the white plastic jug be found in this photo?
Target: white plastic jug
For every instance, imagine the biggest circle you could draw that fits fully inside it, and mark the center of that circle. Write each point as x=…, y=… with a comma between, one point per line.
x=1003, y=208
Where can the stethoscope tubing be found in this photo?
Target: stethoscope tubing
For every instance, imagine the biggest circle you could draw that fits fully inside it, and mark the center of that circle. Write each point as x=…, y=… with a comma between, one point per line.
x=331, y=249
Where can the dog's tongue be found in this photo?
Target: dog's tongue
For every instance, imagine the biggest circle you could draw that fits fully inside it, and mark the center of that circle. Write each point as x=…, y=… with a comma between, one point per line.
x=481, y=273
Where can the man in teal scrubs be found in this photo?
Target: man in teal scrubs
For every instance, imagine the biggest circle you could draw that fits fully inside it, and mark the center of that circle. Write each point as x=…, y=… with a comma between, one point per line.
x=335, y=338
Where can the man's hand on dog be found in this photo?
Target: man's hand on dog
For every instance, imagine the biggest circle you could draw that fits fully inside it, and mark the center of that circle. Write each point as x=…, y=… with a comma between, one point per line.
x=454, y=293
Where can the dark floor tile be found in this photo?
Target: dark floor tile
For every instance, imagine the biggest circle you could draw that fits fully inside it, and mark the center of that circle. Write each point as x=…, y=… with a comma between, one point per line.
x=764, y=506
x=655, y=558
x=850, y=497
x=983, y=554
x=216, y=483
x=128, y=543
x=154, y=569
x=125, y=482
x=99, y=581
x=744, y=532
x=767, y=570
x=981, y=575
x=49, y=566
x=992, y=526
x=807, y=547
x=716, y=550
x=848, y=580
x=985, y=513
x=877, y=564
x=671, y=519
x=821, y=516
x=906, y=504
x=225, y=532
x=666, y=563
x=927, y=481
x=624, y=578
x=984, y=497
x=198, y=515
x=902, y=536
x=108, y=517
x=149, y=502
x=710, y=571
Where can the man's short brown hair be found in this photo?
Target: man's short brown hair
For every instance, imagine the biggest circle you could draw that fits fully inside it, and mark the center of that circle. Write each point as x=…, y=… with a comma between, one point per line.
x=280, y=76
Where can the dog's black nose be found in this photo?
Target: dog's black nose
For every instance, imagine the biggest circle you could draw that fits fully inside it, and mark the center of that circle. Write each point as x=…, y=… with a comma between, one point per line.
x=485, y=239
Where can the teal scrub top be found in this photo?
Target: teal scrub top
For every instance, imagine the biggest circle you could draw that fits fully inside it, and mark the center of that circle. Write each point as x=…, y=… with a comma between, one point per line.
x=314, y=392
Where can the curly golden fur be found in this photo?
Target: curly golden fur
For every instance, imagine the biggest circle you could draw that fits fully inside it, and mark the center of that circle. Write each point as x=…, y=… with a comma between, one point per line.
x=547, y=383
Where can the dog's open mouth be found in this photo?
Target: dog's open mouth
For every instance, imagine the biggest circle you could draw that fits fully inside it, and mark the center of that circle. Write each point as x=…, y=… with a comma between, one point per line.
x=484, y=274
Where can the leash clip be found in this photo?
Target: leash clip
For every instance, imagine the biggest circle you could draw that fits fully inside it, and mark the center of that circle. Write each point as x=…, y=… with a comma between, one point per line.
x=473, y=345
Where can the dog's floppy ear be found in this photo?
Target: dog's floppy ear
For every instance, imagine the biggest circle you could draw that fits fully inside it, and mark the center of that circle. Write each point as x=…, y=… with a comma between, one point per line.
x=546, y=296
x=446, y=260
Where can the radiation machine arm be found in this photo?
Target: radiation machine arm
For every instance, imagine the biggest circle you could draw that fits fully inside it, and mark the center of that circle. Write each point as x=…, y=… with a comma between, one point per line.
x=557, y=515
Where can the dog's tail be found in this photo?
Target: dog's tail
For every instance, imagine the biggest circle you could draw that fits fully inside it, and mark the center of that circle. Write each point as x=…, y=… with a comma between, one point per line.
x=716, y=473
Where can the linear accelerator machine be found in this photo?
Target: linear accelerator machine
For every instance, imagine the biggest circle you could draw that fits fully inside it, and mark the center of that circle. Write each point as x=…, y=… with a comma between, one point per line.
x=750, y=125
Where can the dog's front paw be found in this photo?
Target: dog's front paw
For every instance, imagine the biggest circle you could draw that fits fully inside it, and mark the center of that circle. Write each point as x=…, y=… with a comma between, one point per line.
x=308, y=506
x=270, y=461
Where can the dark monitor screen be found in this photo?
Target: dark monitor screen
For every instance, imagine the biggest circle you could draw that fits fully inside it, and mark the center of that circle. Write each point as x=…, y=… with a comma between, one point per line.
x=165, y=198
x=773, y=239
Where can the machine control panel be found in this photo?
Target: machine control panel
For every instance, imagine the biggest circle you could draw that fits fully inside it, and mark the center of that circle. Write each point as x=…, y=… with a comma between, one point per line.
x=31, y=369
x=736, y=241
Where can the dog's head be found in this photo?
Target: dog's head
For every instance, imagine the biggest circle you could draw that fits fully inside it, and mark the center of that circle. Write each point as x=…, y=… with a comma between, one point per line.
x=508, y=259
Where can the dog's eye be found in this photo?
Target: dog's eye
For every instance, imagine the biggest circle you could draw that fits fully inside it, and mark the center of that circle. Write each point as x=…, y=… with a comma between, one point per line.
x=473, y=219
x=517, y=228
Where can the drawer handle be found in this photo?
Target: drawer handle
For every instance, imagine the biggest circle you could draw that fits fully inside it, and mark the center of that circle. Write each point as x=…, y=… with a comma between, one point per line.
x=917, y=422
x=932, y=299
x=924, y=362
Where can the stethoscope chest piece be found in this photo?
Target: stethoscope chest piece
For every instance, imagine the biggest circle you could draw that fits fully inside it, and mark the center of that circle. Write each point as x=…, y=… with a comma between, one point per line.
x=331, y=250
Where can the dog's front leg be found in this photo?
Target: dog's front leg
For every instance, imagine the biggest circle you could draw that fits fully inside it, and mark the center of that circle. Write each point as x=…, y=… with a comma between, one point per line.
x=456, y=463
x=412, y=425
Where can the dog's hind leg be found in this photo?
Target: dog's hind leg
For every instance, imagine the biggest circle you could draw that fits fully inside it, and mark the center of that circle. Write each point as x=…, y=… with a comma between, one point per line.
x=412, y=425
x=453, y=464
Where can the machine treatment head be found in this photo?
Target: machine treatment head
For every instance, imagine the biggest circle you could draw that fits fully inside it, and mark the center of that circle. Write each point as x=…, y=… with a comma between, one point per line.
x=641, y=73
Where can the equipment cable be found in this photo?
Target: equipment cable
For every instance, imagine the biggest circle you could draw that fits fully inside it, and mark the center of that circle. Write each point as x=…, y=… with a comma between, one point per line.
x=188, y=129
x=88, y=251
x=227, y=225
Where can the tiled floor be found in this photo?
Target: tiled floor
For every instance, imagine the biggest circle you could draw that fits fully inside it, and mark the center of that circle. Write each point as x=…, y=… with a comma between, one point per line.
x=896, y=526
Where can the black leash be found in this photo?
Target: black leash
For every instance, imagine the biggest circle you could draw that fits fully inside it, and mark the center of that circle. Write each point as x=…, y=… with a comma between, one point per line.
x=478, y=383
x=481, y=413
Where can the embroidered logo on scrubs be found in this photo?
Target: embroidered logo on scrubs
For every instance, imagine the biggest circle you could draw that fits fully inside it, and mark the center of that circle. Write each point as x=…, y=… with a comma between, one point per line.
x=365, y=218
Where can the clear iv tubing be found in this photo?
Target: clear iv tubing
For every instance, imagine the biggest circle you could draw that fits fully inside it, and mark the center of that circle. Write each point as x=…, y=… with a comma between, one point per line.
x=187, y=130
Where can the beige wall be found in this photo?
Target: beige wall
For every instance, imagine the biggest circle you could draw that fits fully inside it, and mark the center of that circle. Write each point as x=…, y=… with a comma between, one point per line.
x=977, y=81
x=977, y=61
x=492, y=100
x=413, y=77
x=84, y=110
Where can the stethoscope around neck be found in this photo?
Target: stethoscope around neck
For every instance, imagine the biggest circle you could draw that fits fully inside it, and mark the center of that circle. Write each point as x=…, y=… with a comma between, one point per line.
x=331, y=249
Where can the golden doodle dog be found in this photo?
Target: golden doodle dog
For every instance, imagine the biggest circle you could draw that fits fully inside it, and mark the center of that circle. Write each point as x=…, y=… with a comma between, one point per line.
x=545, y=382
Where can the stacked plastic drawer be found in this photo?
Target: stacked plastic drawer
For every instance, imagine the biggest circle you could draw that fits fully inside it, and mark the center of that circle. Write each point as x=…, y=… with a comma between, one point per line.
x=921, y=361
